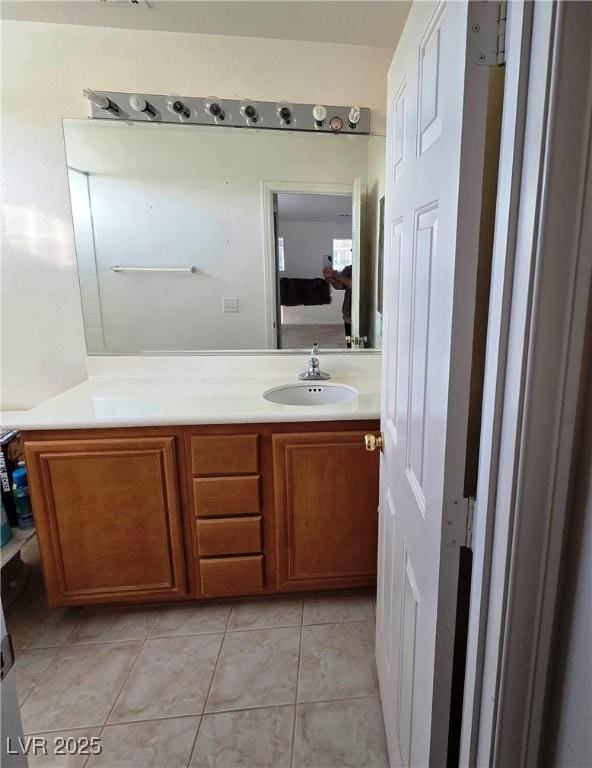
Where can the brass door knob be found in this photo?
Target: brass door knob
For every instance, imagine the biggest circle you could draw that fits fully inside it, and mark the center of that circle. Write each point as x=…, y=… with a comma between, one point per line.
x=374, y=441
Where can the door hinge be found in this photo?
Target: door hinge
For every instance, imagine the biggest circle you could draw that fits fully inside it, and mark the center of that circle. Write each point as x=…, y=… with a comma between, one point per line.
x=487, y=32
x=458, y=523
x=469, y=527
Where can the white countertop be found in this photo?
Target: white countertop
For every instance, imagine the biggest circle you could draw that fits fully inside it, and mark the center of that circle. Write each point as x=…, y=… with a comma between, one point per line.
x=138, y=401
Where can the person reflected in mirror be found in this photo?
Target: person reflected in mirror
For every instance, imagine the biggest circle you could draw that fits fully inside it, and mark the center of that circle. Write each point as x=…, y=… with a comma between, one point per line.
x=342, y=281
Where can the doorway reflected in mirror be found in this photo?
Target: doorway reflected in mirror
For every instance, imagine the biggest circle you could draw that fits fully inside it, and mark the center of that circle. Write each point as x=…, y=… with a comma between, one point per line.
x=314, y=270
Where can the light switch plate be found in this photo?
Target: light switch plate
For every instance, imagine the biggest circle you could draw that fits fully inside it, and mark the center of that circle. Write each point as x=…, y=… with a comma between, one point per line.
x=230, y=304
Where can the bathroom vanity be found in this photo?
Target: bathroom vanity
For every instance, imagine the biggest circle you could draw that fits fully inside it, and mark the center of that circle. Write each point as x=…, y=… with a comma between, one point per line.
x=281, y=499
x=152, y=514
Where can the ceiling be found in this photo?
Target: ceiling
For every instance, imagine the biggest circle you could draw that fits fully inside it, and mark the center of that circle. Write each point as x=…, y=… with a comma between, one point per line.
x=376, y=24
x=306, y=207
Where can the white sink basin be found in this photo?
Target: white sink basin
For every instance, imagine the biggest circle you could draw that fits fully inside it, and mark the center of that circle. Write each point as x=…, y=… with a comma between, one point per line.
x=310, y=393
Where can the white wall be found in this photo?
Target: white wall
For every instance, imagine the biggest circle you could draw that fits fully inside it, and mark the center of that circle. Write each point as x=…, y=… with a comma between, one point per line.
x=44, y=67
x=306, y=242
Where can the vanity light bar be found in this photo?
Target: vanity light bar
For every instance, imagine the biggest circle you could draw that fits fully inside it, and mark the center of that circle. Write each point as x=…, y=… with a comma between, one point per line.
x=193, y=110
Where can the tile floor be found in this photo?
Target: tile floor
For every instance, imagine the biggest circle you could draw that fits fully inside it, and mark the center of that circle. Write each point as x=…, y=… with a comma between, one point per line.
x=276, y=682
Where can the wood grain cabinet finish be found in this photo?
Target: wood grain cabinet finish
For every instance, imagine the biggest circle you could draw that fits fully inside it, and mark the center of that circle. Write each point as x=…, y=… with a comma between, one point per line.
x=222, y=576
x=225, y=496
x=151, y=514
x=234, y=536
x=108, y=518
x=225, y=454
x=326, y=497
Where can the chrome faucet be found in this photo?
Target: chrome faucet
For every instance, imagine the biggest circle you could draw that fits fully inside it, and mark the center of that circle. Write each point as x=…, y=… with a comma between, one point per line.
x=314, y=372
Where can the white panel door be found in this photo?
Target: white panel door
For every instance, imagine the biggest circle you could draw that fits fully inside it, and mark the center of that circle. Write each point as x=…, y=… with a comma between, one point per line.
x=435, y=142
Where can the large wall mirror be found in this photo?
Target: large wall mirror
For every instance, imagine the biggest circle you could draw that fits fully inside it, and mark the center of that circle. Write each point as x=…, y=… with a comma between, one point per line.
x=200, y=239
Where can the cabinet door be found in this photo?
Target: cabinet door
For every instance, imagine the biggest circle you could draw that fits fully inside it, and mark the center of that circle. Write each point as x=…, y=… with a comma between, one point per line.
x=326, y=488
x=108, y=518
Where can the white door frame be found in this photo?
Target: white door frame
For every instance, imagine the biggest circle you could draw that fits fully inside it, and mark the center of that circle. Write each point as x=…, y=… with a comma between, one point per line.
x=268, y=190
x=542, y=272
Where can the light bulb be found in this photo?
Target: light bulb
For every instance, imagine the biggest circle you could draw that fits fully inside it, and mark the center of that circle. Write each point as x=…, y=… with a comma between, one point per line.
x=354, y=117
x=215, y=108
x=177, y=106
x=139, y=104
x=250, y=112
x=284, y=112
x=103, y=102
x=319, y=112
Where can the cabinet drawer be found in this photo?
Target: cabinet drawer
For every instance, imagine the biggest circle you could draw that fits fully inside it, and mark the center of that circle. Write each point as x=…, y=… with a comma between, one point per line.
x=225, y=496
x=237, y=536
x=225, y=454
x=232, y=575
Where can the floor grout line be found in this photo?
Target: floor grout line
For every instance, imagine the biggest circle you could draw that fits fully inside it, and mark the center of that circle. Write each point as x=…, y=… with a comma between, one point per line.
x=342, y=698
x=342, y=621
x=190, y=634
x=230, y=612
x=228, y=618
x=263, y=626
x=205, y=714
x=194, y=744
x=171, y=717
x=209, y=688
x=37, y=648
x=297, y=686
x=157, y=613
x=203, y=711
x=132, y=665
x=36, y=683
x=113, y=725
x=143, y=639
x=64, y=729
x=88, y=757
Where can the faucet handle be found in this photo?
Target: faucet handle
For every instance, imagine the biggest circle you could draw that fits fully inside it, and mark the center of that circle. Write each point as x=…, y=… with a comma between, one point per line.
x=314, y=372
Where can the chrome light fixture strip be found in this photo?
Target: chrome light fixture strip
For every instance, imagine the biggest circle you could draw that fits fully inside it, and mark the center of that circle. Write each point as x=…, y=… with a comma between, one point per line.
x=265, y=115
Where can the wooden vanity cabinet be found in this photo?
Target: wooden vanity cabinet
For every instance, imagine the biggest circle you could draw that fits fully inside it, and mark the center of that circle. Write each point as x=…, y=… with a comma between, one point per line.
x=326, y=496
x=153, y=514
x=108, y=518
